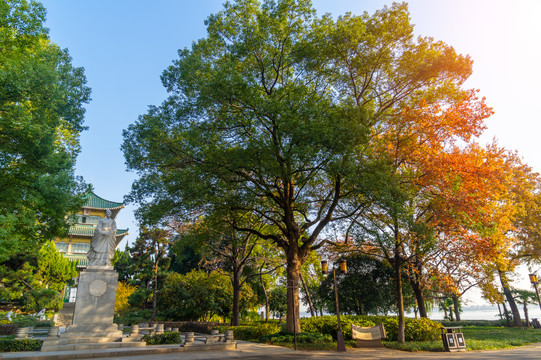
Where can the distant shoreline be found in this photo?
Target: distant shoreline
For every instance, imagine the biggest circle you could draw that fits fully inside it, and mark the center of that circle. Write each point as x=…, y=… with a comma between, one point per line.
x=479, y=312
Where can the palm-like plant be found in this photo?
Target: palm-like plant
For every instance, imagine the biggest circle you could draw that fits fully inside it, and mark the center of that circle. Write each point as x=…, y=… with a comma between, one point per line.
x=525, y=297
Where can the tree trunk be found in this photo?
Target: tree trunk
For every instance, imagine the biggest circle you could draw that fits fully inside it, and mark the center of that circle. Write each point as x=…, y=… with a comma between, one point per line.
x=510, y=300
x=526, y=313
x=293, y=271
x=500, y=311
x=312, y=312
x=266, y=298
x=456, y=307
x=506, y=312
x=235, y=316
x=419, y=298
x=399, y=299
x=451, y=314
x=155, y=290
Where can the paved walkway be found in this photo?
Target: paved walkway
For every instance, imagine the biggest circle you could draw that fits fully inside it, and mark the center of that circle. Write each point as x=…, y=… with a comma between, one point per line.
x=254, y=351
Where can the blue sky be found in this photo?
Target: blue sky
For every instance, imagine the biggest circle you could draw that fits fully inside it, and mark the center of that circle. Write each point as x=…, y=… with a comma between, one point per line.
x=125, y=45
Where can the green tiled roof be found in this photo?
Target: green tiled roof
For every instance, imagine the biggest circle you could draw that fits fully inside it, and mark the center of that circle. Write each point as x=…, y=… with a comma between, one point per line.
x=83, y=260
x=96, y=202
x=88, y=230
x=84, y=230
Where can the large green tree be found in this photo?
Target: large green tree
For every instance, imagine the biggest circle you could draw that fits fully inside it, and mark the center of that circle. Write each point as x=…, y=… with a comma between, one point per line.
x=41, y=116
x=272, y=114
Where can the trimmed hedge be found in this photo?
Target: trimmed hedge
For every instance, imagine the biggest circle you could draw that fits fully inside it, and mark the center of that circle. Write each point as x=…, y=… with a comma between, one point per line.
x=302, y=338
x=472, y=323
x=329, y=325
x=165, y=338
x=192, y=326
x=8, y=329
x=12, y=345
x=32, y=321
x=251, y=332
x=416, y=329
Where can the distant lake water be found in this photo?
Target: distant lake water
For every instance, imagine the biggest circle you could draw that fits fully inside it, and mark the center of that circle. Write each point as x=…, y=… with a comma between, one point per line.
x=485, y=312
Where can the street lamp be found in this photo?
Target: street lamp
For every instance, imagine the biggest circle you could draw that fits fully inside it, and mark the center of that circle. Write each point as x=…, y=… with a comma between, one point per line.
x=340, y=344
x=533, y=280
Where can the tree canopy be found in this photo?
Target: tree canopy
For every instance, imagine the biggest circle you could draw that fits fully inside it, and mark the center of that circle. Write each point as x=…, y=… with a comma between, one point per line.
x=311, y=125
x=41, y=116
x=273, y=114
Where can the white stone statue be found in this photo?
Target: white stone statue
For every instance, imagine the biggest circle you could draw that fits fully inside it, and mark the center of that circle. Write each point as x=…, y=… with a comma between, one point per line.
x=104, y=243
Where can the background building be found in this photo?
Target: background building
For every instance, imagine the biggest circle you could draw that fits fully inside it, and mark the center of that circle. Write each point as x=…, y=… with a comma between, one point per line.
x=77, y=244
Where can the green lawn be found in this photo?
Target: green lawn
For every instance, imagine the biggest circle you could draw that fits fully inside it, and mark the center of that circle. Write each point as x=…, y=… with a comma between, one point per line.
x=478, y=338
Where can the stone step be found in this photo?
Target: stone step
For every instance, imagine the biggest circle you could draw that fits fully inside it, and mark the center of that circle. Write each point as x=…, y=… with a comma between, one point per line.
x=147, y=351
x=68, y=341
x=89, y=346
x=93, y=353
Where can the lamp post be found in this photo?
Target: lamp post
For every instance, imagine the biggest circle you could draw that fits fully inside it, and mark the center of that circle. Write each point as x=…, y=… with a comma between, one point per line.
x=533, y=280
x=340, y=344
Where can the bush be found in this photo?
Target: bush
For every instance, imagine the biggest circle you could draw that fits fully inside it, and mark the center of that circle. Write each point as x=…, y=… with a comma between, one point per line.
x=8, y=329
x=416, y=329
x=26, y=321
x=48, y=299
x=302, y=338
x=193, y=326
x=473, y=323
x=251, y=332
x=329, y=325
x=135, y=317
x=11, y=345
x=165, y=338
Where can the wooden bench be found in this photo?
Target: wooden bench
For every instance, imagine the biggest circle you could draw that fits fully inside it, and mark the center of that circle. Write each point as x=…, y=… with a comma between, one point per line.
x=368, y=336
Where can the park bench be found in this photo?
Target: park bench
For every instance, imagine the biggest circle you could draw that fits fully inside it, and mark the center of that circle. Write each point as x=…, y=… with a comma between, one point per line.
x=368, y=336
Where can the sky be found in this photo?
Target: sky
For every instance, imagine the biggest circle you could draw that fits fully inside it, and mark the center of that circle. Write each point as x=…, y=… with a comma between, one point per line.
x=124, y=46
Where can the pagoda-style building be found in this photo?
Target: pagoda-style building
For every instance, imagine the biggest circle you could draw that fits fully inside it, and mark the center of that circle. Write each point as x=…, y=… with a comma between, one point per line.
x=77, y=244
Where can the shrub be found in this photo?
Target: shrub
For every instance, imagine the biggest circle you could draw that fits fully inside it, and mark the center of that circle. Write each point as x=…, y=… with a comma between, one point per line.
x=193, y=326
x=302, y=338
x=251, y=332
x=48, y=299
x=44, y=324
x=416, y=329
x=8, y=329
x=165, y=338
x=329, y=325
x=123, y=292
x=473, y=323
x=11, y=345
x=26, y=321
x=135, y=317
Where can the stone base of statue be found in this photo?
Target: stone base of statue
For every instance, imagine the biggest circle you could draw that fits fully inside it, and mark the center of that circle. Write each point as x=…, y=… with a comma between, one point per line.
x=95, y=304
x=92, y=326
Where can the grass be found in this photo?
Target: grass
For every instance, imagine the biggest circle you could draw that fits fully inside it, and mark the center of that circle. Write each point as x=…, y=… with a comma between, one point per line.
x=478, y=338
x=489, y=337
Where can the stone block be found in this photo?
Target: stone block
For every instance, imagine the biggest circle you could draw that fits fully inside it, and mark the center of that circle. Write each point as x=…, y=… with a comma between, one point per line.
x=95, y=303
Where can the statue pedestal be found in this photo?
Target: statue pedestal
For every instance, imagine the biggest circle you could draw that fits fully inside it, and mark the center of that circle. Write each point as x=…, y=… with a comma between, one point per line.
x=95, y=304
